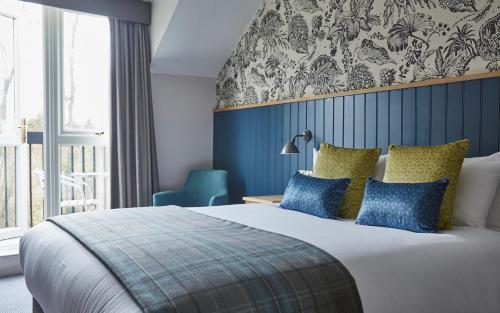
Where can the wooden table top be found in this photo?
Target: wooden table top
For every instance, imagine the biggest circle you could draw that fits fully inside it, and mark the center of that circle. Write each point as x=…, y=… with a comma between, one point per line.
x=264, y=199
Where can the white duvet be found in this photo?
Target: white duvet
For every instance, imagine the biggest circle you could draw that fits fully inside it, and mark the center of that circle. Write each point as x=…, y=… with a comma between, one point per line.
x=396, y=271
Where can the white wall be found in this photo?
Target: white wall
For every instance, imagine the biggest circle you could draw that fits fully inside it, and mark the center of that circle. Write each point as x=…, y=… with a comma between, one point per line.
x=195, y=37
x=161, y=13
x=184, y=125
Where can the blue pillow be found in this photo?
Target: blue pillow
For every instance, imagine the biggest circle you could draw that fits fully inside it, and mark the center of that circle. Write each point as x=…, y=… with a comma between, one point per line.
x=414, y=207
x=315, y=196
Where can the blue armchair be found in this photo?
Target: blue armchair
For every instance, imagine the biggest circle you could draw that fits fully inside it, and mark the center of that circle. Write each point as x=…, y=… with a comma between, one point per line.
x=202, y=188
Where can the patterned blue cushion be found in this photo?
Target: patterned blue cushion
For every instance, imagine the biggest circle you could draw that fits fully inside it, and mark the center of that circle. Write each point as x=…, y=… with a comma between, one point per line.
x=409, y=206
x=315, y=196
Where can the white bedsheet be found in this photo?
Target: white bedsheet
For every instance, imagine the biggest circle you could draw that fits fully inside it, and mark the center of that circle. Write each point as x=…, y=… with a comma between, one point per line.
x=395, y=271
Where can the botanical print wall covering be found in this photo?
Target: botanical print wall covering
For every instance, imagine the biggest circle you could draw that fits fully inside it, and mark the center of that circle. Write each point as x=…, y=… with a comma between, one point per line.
x=296, y=48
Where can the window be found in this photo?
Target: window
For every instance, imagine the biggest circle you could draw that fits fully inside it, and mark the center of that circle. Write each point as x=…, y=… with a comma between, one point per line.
x=7, y=74
x=21, y=94
x=78, y=104
x=86, y=73
x=54, y=79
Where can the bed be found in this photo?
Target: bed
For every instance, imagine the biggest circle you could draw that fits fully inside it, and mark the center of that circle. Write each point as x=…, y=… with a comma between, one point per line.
x=394, y=270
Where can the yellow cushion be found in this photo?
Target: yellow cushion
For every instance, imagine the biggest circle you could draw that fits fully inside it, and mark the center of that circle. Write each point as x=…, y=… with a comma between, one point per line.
x=427, y=164
x=356, y=164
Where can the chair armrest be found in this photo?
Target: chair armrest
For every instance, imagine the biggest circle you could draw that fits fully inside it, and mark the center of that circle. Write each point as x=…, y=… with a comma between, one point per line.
x=164, y=198
x=220, y=199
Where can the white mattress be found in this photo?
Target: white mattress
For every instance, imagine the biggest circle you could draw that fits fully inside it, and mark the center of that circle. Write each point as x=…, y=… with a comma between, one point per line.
x=396, y=271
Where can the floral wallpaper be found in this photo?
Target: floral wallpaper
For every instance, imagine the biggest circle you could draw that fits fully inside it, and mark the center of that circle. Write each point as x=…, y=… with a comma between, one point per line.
x=296, y=48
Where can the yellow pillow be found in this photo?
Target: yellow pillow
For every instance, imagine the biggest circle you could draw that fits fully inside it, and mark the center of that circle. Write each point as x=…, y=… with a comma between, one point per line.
x=426, y=164
x=356, y=164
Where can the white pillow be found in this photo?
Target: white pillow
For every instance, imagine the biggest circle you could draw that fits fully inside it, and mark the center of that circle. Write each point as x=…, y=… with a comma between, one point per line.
x=315, y=156
x=493, y=220
x=476, y=189
x=379, y=168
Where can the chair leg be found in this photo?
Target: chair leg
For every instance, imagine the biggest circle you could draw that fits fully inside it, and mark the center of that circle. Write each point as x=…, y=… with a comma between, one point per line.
x=36, y=307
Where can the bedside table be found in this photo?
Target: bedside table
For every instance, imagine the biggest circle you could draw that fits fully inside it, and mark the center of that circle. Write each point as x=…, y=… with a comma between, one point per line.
x=263, y=199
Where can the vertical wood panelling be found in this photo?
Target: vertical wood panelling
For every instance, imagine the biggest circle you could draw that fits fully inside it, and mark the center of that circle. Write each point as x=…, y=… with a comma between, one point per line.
x=217, y=153
x=472, y=115
x=258, y=163
x=301, y=144
x=490, y=96
x=383, y=120
x=234, y=163
x=454, y=112
x=311, y=125
x=271, y=149
x=287, y=125
x=252, y=184
x=371, y=120
x=254, y=151
x=278, y=129
x=266, y=168
x=294, y=130
x=423, y=103
x=359, y=121
x=319, y=126
x=329, y=128
x=395, y=117
x=265, y=150
x=409, y=126
x=248, y=142
x=239, y=187
x=349, y=122
x=249, y=155
x=338, y=122
x=438, y=115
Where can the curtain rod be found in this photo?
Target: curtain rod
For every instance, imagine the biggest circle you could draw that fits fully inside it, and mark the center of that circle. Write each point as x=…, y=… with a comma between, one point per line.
x=129, y=10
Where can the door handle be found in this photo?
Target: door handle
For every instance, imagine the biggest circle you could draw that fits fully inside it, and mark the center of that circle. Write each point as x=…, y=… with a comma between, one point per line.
x=99, y=133
x=24, y=130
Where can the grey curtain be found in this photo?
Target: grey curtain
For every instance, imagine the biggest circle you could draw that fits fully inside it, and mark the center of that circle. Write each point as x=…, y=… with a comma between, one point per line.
x=134, y=174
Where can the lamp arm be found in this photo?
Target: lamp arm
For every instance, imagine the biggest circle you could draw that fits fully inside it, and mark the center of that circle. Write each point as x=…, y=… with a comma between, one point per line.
x=307, y=135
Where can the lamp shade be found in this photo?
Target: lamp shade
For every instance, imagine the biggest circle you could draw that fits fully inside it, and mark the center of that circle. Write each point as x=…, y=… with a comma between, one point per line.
x=290, y=148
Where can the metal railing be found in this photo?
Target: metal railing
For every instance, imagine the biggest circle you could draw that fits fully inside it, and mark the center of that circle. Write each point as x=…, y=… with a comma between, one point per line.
x=83, y=183
x=8, y=186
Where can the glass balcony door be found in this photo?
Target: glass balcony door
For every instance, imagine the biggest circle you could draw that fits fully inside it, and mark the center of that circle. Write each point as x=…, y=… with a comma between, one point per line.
x=76, y=111
x=54, y=103
x=21, y=57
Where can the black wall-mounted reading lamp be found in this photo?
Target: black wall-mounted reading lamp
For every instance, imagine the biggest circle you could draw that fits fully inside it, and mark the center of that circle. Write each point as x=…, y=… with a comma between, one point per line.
x=291, y=148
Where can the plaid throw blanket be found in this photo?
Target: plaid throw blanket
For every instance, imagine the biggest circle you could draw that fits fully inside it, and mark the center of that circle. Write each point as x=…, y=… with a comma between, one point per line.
x=171, y=259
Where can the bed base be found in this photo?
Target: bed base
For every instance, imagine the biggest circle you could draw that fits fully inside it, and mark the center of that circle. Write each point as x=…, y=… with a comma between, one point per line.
x=36, y=307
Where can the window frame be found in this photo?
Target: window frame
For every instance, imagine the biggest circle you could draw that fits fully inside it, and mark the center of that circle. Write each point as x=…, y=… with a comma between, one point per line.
x=55, y=134
x=11, y=138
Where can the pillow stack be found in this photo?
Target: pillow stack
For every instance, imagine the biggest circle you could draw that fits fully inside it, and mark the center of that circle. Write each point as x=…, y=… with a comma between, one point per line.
x=421, y=189
x=427, y=164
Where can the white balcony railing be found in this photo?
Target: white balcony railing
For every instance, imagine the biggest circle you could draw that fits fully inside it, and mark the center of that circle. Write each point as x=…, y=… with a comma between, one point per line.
x=84, y=180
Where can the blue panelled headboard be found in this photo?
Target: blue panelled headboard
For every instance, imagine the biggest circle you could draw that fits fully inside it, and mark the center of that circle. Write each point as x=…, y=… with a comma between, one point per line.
x=247, y=142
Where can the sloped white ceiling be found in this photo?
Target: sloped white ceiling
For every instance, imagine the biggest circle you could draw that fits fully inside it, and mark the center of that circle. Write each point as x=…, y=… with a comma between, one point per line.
x=196, y=37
